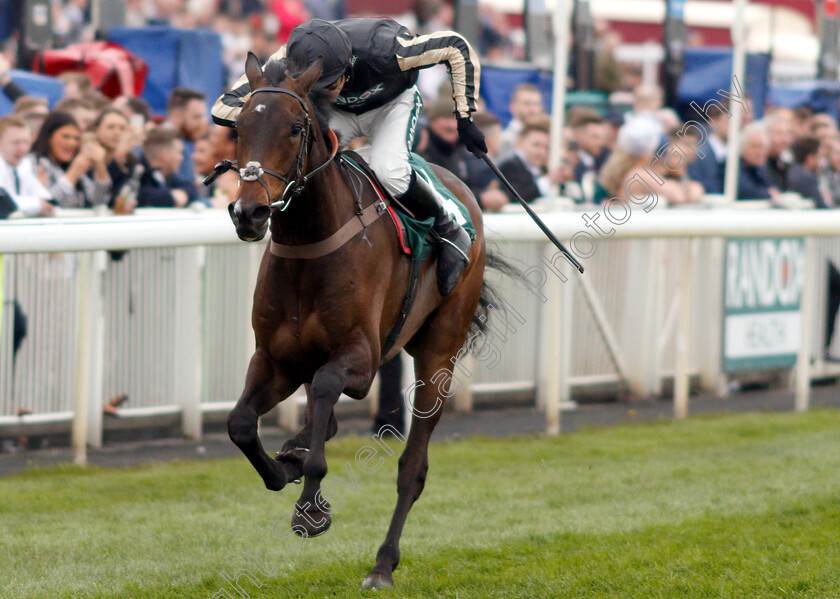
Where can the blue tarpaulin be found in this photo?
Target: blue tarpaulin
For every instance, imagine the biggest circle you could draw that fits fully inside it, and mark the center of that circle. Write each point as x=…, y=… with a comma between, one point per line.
x=707, y=70
x=176, y=58
x=41, y=86
x=819, y=96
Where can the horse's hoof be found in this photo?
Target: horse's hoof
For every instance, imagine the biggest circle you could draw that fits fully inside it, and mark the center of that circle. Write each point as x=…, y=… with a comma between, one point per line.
x=313, y=521
x=374, y=581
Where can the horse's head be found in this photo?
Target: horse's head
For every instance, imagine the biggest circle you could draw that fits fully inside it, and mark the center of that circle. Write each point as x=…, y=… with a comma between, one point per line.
x=275, y=133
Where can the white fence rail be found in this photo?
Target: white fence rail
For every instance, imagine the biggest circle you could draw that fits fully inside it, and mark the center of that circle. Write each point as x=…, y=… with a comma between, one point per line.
x=168, y=323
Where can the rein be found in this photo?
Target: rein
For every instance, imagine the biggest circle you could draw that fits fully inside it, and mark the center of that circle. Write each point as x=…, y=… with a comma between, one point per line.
x=254, y=171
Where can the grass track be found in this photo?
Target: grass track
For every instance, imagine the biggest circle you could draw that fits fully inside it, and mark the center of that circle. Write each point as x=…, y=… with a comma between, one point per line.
x=743, y=506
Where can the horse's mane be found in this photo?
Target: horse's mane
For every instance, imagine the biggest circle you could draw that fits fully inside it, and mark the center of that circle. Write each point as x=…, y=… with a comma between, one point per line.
x=276, y=71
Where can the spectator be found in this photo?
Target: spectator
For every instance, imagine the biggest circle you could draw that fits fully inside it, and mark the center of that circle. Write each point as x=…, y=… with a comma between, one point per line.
x=114, y=133
x=802, y=176
x=753, y=183
x=204, y=160
x=802, y=116
x=590, y=134
x=17, y=173
x=830, y=173
x=137, y=110
x=677, y=187
x=223, y=145
x=81, y=109
x=122, y=142
x=527, y=169
x=709, y=170
x=526, y=104
x=444, y=147
x=64, y=162
x=161, y=185
x=33, y=111
x=482, y=180
x=646, y=99
x=780, y=130
x=97, y=100
x=76, y=84
x=635, y=145
x=187, y=116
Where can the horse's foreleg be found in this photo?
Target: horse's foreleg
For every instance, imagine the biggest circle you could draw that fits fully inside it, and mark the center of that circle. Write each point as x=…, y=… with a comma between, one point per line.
x=303, y=437
x=311, y=511
x=294, y=451
x=413, y=465
x=351, y=369
x=264, y=388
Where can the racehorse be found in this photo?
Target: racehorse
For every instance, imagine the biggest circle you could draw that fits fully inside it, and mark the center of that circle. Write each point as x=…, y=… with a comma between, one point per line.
x=324, y=305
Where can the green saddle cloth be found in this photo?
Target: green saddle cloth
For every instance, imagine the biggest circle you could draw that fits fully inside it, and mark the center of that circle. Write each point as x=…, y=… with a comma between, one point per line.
x=417, y=236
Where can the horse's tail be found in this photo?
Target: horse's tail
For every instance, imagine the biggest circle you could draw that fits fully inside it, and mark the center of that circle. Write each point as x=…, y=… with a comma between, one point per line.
x=490, y=300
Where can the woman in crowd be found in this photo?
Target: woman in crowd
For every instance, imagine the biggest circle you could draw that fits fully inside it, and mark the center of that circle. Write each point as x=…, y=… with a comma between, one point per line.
x=636, y=143
x=120, y=140
x=73, y=171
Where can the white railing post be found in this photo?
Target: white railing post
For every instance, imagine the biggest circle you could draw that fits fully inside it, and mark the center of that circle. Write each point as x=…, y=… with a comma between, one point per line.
x=710, y=303
x=84, y=322
x=684, y=331
x=96, y=333
x=641, y=319
x=188, y=320
x=552, y=373
x=806, y=323
x=463, y=398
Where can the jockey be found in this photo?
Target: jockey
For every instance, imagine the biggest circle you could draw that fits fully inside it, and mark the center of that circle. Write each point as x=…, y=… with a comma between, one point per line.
x=370, y=67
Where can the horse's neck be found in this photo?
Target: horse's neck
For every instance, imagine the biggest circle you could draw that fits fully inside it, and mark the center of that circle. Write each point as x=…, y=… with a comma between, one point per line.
x=318, y=212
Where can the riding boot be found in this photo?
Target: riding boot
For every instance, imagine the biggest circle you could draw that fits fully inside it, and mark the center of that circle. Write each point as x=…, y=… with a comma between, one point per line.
x=452, y=241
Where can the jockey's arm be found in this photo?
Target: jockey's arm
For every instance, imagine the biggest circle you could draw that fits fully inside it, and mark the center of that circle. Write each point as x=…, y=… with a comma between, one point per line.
x=451, y=49
x=227, y=107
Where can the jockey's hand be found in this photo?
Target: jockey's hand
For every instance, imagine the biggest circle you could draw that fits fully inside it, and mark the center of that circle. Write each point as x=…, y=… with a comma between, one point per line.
x=472, y=136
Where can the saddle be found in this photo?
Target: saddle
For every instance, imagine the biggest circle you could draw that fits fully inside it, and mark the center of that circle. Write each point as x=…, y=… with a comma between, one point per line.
x=416, y=239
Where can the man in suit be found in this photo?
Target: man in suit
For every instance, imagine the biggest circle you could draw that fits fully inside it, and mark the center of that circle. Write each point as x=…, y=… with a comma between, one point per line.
x=17, y=172
x=527, y=169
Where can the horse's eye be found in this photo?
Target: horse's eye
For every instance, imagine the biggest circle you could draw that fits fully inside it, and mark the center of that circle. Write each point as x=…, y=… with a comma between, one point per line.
x=296, y=130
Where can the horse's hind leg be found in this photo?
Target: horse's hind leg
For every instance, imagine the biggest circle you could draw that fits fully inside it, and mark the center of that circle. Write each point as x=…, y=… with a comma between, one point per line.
x=264, y=388
x=413, y=465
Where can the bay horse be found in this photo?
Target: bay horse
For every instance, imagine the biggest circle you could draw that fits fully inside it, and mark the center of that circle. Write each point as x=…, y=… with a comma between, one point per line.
x=322, y=321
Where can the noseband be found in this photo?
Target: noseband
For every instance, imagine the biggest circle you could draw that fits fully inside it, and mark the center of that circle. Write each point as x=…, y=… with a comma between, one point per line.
x=254, y=171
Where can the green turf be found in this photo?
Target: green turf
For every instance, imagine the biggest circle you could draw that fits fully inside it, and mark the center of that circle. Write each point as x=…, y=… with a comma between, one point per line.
x=743, y=506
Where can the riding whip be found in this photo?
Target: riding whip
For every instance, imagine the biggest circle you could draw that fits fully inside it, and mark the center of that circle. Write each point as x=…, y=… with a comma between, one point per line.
x=531, y=213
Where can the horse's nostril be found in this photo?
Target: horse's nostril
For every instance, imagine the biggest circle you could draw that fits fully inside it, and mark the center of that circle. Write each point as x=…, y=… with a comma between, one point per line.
x=261, y=213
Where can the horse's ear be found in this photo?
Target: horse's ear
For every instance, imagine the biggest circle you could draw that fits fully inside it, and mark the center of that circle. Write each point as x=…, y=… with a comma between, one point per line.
x=253, y=71
x=311, y=75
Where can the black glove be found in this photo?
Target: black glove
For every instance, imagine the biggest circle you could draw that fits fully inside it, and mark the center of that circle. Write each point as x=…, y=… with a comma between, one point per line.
x=472, y=136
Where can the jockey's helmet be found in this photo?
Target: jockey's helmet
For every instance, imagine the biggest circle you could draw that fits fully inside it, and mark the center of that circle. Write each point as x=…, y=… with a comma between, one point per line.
x=321, y=38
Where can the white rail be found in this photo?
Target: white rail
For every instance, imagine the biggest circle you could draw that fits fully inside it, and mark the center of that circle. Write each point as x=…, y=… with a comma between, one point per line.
x=170, y=327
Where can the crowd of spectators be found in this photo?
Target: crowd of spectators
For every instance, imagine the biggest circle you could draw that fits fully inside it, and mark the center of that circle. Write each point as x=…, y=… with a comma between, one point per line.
x=90, y=150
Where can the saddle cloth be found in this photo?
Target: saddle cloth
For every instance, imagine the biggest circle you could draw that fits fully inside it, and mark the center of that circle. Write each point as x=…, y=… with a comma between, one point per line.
x=414, y=234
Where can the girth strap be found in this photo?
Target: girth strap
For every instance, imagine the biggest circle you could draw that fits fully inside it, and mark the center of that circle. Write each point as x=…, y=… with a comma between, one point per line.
x=327, y=246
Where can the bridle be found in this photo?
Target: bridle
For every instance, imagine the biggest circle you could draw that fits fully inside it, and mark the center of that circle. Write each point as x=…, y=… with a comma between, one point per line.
x=254, y=171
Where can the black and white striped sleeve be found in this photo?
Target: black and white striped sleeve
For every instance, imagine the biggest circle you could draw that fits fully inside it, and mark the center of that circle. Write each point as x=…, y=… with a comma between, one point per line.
x=450, y=48
x=227, y=107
